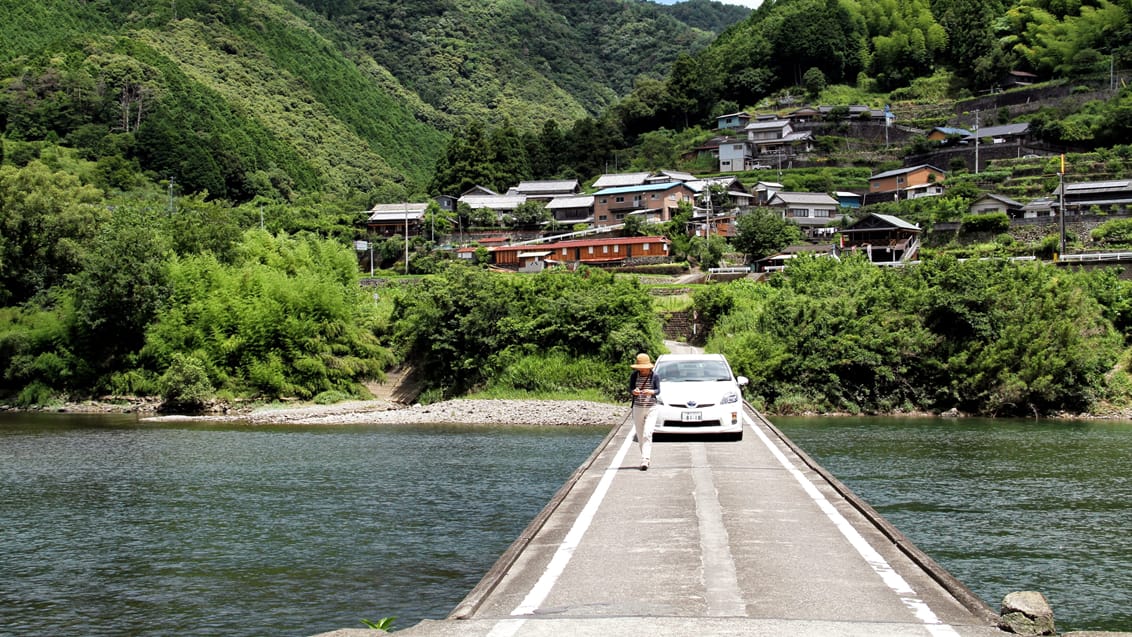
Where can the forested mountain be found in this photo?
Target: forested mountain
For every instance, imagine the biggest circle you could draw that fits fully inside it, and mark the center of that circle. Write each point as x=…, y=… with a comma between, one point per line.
x=521, y=63
x=236, y=99
x=352, y=97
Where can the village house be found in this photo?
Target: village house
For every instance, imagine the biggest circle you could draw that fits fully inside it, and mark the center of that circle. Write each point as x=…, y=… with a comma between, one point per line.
x=656, y=202
x=605, y=251
x=1005, y=133
x=777, y=262
x=392, y=219
x=1040, y=207
x=1085, y=197
x=809, y=210
x=546, y=190
x=767, y=140
x=572, y=210
x=885, y=239
x=738, y=197
x=850, y=200
x=949, y=135
x=990, y=202
x=479, y=198
x=896, y=182
x=765, y=190
x=733, y=121
x=777, y=136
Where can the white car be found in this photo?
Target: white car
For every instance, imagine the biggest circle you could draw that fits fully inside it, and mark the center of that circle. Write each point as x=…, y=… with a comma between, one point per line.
x=698, y=395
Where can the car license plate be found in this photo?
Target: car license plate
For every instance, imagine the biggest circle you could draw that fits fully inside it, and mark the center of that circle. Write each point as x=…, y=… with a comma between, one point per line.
x=690, y=416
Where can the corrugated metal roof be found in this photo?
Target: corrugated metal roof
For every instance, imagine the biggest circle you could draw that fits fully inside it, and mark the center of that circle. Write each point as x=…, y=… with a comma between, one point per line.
x=804, y=198
x=767, y=125
x=1005, y=129
x=398, y=216
x=1098, y=186
x=612, y=180
x=558, y=203
x=904, y=171
x=544, y=187
x=399, y=207
x=495, y=202
x=640, y=188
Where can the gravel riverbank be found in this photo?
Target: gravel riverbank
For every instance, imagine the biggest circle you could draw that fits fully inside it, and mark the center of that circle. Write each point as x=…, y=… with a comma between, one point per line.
x=462, y=411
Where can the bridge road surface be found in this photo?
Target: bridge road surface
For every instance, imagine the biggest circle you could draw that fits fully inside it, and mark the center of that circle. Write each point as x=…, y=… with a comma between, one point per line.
x=716, y=538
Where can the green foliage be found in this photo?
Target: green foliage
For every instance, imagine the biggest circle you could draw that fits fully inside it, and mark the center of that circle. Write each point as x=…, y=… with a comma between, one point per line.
x=385, y=624
x=986, y=222
x=185, y=383
x=988, y=337
x=120, y=289
x=713, y=303
x=763, y=233
x=1114, y=233
x=463, y=325
x=288, y=318
x=46, y=220
x=555, y=372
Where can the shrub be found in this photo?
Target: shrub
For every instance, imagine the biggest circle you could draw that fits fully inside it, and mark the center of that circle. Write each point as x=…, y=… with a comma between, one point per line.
x=185, y=383
x=987, y=222
x=36, y=394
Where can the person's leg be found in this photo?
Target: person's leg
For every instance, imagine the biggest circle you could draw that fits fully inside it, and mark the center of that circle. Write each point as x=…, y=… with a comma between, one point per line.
x=645, y=435
x=640, y=414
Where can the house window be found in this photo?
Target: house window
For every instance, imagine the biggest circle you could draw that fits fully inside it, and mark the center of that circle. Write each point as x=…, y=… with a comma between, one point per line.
x=590, y=249
x=602, y=217
x=645, y=247
x=604, y=200
x=798, y=212
x=616, y=249
x=619, y=199
x=900, y=180
x=605, y=249
x=563, y=251
x=821, y=212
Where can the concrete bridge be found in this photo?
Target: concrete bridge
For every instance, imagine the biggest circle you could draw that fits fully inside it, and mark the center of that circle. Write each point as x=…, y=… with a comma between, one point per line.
x=716, y=538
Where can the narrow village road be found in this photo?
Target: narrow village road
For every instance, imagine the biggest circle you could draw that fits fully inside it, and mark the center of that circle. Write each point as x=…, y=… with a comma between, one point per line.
x=676, y=347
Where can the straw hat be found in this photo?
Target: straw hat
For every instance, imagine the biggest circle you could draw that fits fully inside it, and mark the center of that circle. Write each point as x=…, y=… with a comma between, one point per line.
x=643, y=362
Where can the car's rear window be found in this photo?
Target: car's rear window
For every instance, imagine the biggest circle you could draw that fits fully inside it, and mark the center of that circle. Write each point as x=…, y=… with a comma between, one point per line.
x=693, y=371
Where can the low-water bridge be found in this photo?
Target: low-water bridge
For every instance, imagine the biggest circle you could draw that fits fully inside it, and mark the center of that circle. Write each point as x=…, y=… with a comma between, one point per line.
x=716, y=538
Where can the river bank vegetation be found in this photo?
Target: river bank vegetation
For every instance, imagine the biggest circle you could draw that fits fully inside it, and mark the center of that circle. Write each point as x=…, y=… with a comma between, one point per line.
x=989, y=337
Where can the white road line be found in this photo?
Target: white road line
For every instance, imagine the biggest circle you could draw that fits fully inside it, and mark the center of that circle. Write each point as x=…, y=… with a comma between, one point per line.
x=721, y=584
x=539, y=592
x=874, y=559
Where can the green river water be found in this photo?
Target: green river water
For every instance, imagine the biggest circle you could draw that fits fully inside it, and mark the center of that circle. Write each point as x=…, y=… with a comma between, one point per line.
x=111, y=527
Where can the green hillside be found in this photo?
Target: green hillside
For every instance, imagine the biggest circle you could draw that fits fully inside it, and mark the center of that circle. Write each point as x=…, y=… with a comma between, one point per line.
x=521, y=63
x=238, y=100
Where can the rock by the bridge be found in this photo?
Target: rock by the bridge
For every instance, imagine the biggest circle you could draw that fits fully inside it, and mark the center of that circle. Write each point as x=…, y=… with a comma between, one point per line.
x=1026, y=613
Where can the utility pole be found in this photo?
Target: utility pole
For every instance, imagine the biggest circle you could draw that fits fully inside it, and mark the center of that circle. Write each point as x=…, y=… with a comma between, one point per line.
x=406, y=237
x=1061, y=205
x=170, y=195
x=976, y=141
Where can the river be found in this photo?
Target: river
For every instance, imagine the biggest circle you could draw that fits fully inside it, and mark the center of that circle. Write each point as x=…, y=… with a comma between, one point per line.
x=1004, y=505
x=111, y=527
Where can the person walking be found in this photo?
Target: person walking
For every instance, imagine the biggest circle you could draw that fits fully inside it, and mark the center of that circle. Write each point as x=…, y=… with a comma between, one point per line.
x=644, y=387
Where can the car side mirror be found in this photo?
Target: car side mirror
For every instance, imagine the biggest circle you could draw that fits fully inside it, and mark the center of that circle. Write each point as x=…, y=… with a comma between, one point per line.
x=742, y=380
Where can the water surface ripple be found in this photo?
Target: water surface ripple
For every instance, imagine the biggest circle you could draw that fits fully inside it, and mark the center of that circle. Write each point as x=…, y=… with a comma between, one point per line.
x=111, y=528
x=1004, y=505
